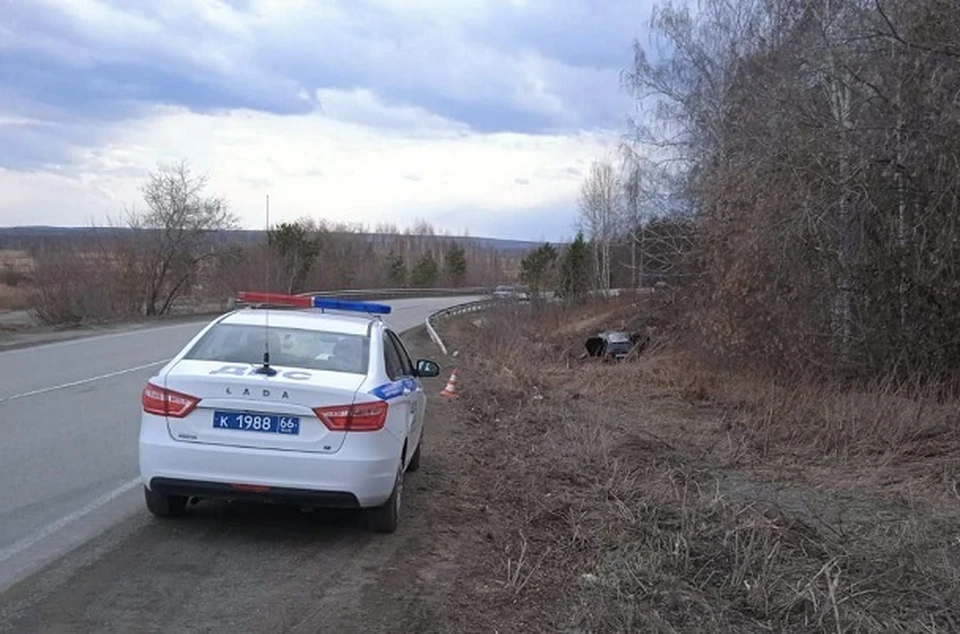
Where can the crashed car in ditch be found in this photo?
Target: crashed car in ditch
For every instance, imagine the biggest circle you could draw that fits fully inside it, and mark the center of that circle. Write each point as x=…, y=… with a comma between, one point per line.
x=613, y=344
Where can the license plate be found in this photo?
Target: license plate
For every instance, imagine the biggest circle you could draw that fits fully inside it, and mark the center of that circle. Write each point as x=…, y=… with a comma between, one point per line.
x=264, y=423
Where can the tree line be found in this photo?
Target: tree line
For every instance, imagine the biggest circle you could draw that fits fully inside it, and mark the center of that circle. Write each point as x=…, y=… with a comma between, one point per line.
x=624, y=240
x=306, y=252
x=171, y=256
x=802, y=158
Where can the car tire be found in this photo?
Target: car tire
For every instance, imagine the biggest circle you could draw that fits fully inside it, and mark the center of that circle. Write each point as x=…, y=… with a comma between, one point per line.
x=165, y=505
x=415, y=459
x=386, y=517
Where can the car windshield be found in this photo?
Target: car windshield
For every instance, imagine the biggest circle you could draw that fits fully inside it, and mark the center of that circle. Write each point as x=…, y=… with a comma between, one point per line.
x=618, y=337
x=291, y=347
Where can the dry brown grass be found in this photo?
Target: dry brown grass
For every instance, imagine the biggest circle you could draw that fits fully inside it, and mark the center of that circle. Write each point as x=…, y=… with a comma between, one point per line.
x=893, y=426
x=658, y=496
x=16, y=258
x=15, y=268
x=14, y=297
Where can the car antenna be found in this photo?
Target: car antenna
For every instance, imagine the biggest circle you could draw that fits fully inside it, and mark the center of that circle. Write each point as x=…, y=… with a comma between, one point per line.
x=265, y=369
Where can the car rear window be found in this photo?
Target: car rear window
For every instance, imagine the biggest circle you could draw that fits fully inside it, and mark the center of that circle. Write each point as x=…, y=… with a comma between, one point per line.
x=291, y=347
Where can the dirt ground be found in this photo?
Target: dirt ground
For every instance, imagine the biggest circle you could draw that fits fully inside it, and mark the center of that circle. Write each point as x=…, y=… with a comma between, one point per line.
x=555, y=495
x=658, y=496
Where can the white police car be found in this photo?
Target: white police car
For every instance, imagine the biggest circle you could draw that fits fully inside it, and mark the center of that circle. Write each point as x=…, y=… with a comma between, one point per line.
x=333, y=417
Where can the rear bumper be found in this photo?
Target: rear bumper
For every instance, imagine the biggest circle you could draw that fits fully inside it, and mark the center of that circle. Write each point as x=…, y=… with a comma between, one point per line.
x=360, y=474
x=306, y=497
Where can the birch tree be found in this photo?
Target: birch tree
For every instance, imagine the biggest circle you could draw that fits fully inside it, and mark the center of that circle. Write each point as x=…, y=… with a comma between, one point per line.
x=631, y=211
x=600, y=207
x=817, y=146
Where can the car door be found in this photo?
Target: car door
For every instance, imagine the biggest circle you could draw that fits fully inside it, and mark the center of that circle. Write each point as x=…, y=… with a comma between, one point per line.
x=418, y=396
x=406, y=400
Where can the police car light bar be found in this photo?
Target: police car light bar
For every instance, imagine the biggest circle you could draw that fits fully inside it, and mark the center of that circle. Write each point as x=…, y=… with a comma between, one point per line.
x=309, y=301
x=359, y=307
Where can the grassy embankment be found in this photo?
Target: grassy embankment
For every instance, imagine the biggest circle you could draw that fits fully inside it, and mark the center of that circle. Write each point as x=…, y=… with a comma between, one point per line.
x=661, y=494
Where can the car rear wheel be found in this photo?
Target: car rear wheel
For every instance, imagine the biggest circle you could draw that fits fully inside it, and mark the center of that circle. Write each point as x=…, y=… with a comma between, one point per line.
x=164, y=505
x=415, y=459
x=386, y=517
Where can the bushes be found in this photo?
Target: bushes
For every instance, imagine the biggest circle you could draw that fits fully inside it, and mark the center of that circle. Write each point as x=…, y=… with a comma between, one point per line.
x=71, y=286
x=817, y=144
x=11, y=276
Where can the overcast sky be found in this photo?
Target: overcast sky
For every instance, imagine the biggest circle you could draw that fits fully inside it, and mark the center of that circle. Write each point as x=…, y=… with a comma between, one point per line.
x=471, y=114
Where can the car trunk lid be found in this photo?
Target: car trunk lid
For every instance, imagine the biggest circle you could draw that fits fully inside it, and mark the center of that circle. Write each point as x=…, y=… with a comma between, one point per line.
x=239, y=408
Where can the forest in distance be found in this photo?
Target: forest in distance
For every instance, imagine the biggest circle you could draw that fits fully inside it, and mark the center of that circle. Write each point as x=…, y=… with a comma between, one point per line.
x=176, y=257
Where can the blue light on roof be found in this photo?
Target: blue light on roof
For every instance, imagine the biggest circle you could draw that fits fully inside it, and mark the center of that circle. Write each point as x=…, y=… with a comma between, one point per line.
x=357, y=307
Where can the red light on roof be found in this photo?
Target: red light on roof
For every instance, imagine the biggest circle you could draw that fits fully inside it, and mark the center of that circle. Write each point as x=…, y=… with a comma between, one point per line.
x=280, y=299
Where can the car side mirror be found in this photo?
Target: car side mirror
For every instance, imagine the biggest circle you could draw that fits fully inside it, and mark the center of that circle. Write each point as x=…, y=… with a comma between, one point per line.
x=427, y=368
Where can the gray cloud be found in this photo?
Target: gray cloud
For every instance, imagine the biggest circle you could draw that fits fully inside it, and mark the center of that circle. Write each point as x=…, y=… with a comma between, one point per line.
x=535, y=68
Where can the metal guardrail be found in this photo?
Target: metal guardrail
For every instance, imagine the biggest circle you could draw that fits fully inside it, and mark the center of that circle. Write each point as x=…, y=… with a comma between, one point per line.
x=471, y=307
x=459, y=309
x=388, y=293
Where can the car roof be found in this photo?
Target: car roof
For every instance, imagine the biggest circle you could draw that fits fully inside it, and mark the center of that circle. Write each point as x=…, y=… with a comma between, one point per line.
x=306, y=319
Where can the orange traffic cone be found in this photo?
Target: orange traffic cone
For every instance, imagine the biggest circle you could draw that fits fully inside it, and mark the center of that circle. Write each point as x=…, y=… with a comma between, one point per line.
x=451, y=389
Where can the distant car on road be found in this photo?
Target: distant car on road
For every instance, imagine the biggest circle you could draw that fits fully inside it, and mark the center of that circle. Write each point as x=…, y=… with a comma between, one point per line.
x=332, y=418
x=508, y=292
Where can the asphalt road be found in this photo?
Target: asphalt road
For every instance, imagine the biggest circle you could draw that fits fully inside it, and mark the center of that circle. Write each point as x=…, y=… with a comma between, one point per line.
x=69, y=417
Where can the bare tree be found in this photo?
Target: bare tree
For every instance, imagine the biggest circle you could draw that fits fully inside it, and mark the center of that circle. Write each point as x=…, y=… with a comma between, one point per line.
x=601, y=208
x=173, y=237
x=633, y=202
x=816, y=144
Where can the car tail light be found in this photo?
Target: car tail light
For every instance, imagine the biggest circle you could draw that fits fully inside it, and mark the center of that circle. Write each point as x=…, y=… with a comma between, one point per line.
x=357, y=417
x=163, y=402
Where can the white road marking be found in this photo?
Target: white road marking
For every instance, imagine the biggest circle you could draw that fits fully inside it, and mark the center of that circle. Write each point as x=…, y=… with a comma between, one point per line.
x=27, y=542
x=81, y=381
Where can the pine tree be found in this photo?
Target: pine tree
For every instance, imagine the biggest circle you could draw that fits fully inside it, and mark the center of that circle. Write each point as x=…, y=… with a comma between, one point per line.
x=537, y=266
x=297, y=250
x=396, y=270
x=425, y=271
x=455, y=264
x=575, y=269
